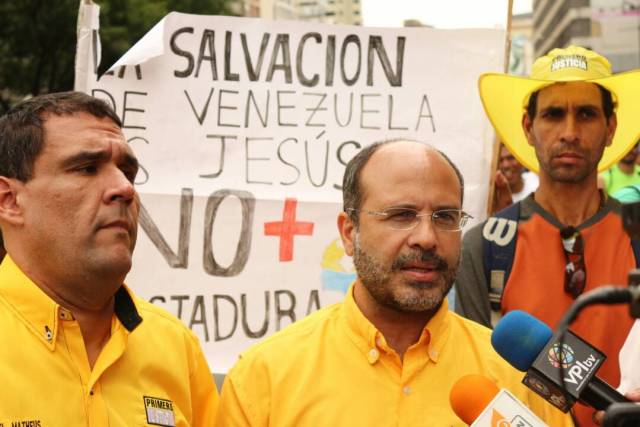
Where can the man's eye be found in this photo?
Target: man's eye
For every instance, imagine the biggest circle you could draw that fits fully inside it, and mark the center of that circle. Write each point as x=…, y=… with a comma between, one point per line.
x=130, y=173
x=451, y=217
x=88, y=169
x=553, y=113
x=401, y=214
x=587, y=113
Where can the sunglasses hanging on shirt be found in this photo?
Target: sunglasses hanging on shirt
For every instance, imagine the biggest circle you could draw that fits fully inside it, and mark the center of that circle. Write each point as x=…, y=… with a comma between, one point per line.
x=575, y=272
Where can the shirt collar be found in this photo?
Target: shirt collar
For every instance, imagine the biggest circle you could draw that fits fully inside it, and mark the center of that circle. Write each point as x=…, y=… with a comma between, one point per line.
x=41, y=314
x=529, y=206
x=125, y=309
x=367, y=337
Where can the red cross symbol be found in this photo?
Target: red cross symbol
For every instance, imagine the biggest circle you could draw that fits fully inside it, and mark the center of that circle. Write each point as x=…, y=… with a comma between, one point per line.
x=287, y=228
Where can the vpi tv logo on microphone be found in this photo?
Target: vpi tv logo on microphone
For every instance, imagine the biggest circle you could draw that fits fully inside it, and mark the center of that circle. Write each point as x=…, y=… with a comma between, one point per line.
x=561, y=357
x=577, y=371
x=564, y=367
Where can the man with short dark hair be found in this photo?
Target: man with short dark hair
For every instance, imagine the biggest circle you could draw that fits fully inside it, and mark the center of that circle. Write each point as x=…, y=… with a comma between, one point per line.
x=521, y=182
x=569, y=119
x=512, y=182
x=389, y=354
x=77, y=347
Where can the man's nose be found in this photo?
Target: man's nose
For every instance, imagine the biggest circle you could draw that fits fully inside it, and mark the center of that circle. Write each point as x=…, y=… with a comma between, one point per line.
x=424, y=234
x=120, y=187
x=570, y=129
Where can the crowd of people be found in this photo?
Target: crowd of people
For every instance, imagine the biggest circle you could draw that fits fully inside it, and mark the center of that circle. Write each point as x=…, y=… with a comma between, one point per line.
x=79, y=348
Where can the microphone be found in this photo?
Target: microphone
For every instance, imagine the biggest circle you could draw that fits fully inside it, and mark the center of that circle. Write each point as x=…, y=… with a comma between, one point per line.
x=561, y=372
x=477, y=401
x=609, y=294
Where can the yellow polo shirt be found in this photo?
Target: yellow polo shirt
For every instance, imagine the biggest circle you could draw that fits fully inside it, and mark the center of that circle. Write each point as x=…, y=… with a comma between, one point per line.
x=150, y=372
x=334, y=368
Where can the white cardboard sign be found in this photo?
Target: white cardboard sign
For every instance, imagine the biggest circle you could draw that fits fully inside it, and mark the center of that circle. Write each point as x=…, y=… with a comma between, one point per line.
x=243, y=128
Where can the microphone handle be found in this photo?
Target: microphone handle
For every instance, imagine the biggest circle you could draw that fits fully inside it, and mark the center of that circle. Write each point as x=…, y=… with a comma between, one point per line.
x=599, y=395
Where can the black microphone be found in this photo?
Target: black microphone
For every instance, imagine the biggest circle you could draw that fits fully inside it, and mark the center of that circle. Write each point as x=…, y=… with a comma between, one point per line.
x=561, y=373
x=609, y=294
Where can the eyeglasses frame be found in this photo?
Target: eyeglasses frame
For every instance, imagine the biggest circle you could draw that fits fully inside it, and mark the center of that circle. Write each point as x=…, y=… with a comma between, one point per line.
x=464, y=217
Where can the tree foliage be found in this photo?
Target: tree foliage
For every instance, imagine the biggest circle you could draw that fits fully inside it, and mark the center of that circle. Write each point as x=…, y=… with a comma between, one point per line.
x=38, y=38
x=37, y=47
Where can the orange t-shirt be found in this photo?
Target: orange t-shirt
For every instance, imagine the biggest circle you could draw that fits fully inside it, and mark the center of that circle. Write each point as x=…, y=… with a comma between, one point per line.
x=536, y=282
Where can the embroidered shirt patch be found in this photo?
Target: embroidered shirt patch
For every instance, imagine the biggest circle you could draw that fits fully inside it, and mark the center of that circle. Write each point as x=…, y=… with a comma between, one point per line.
x=159, y=412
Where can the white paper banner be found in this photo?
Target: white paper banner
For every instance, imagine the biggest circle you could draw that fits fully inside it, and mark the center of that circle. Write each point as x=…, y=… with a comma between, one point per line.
x=243, y=128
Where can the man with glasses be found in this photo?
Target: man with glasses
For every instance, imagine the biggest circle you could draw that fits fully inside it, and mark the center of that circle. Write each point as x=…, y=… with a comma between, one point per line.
x=571, y=118
x=391, y=351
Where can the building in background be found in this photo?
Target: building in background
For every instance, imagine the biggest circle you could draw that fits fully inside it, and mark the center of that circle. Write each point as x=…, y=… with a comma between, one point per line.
x=256, y=8
x=611, y=27
x=616, y=32
x=325, y=11
x=521, y=53
x=343, y=12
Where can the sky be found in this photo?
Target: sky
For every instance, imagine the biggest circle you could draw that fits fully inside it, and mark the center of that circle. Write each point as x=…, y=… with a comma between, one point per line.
x=441, y=13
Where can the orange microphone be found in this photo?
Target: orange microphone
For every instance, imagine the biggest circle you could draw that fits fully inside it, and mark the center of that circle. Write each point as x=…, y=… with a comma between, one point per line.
x=470, y=395
x=480, y=403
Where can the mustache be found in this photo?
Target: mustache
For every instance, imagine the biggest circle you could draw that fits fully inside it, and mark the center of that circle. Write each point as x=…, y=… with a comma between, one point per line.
x=420, y=256
x=564, y=147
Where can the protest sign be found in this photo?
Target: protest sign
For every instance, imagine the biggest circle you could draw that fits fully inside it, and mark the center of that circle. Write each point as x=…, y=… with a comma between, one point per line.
x=243, y=128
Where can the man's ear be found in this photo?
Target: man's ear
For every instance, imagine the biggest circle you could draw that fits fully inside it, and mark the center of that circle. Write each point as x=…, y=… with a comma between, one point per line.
x=346, y=227
x=10, y=210
x=527, y=125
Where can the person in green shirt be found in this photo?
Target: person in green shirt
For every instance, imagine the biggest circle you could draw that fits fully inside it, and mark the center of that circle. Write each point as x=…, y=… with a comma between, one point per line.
x=623, y=174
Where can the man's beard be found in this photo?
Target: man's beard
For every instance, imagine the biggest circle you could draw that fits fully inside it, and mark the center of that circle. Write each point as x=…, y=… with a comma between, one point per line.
x=408, y=296
x=569, y=175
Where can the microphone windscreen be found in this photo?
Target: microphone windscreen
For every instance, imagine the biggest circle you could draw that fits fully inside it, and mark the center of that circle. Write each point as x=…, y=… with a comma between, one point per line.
x=470, y=395
x=519, y=338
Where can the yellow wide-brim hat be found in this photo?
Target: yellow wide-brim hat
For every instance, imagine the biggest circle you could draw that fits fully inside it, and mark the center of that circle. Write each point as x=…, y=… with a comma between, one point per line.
x=505, y=100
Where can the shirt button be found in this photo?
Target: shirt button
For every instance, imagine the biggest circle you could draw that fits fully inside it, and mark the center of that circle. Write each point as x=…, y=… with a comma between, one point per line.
x=373, y=355
x=406, y=390
x=433, y=353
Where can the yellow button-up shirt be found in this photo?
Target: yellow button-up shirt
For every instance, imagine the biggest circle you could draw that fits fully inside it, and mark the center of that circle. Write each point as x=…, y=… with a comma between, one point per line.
x=334, y=368
x=150, y=372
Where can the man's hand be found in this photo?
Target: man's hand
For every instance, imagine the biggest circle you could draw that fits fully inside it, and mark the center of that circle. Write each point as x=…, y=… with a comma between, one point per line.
x=633, y=395
x=502, y=193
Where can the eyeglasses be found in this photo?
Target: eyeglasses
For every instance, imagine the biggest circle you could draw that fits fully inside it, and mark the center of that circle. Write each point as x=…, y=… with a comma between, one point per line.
x=575, y=272
x=407, y=218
